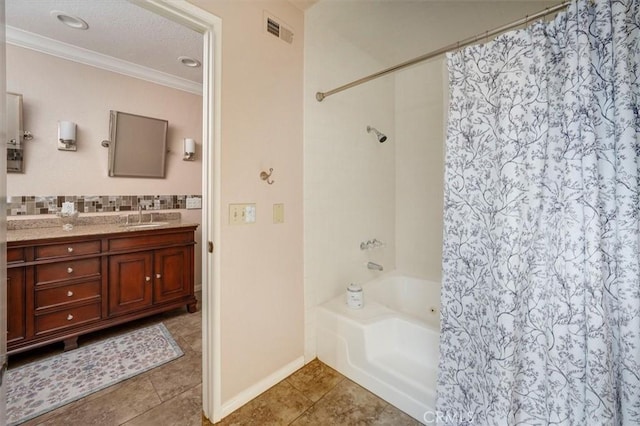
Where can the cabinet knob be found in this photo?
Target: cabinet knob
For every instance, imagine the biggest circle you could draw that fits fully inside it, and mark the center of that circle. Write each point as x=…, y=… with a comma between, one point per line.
x=69, y=293
x=70, y=249
x=69, y=269
x=147, y=278
x=69, y=317
x=158, y=276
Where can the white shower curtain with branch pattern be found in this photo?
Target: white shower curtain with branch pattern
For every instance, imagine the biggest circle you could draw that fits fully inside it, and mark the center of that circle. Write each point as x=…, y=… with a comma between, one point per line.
x=541, y=257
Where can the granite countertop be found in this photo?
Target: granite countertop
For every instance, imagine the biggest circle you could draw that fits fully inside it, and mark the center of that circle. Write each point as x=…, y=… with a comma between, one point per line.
x=48, y=228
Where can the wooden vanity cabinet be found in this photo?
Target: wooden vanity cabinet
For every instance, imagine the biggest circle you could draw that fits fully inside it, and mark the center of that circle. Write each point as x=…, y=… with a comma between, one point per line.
x=16, y=303
x=141, y=279
x=60, y=289
x=130, y=282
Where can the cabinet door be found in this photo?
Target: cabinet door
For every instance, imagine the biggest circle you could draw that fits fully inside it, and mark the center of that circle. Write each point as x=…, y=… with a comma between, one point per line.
x=130, y=282
x=173, y=274
x=16, y=304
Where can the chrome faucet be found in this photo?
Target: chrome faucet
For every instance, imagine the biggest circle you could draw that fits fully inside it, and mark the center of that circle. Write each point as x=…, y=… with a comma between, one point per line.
x=374, y=266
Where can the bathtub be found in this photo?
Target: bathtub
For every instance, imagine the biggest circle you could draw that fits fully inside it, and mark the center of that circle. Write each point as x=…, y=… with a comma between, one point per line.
x=390, y=346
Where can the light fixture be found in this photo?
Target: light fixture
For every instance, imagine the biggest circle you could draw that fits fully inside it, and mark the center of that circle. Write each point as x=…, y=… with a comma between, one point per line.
x=70, y=20
x=189, y=149
x=188, y=61
x=67, y=136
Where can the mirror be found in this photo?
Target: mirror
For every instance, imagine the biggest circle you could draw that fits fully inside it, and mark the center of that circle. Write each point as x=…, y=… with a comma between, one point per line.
x=15, y=134
x=138, y=145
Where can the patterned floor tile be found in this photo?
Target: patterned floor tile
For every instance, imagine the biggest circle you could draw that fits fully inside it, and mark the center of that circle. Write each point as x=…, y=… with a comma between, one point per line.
x=279, y=405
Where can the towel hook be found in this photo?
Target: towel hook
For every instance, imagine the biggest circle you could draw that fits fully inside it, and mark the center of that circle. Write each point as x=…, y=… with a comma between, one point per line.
x=265, y=176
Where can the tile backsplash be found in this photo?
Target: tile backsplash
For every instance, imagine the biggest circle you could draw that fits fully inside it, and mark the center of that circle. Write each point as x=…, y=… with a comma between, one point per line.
x=51, y=204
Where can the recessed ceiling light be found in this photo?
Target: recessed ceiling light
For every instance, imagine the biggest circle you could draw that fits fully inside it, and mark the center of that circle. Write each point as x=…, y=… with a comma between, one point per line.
x=188, y=61
x=70, y=20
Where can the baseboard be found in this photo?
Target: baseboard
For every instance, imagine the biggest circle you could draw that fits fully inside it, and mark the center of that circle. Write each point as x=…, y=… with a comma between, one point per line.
x=255, y=390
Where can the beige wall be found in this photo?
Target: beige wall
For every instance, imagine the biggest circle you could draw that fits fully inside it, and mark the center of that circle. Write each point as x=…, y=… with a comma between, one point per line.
x=56, y=89
x=261, y=264
x=71, y=91
x=356, y=189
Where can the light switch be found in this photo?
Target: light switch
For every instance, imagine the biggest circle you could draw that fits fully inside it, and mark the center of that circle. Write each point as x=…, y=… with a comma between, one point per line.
x=236, y=214
x=242, y=214
x=278, y=213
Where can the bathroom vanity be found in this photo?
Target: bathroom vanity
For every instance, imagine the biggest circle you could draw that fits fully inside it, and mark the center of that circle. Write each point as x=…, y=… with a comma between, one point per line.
x=61, y=285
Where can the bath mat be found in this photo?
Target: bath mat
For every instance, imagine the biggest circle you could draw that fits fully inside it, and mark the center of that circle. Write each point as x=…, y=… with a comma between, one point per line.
x=45, y=385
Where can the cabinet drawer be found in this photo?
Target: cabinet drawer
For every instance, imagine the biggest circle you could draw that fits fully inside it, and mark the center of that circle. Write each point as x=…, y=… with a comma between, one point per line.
x=66, y=270
x=15, y=255
x=67, y=318
x=152, y=241
x=62, y=295
x=67, y=249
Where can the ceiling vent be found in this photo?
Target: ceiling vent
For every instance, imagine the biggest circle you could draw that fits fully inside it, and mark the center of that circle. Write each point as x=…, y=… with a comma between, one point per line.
x=274, y=27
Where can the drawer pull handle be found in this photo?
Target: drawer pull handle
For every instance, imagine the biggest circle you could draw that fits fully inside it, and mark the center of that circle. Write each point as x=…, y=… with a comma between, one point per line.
x=70, y=270
x=69, y=317
x=147, y=279
x=70, y=249
x=69, y=293
x=158, y=276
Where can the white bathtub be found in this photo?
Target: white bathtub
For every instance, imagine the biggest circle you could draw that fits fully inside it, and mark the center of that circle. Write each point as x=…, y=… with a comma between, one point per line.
x=390, y=346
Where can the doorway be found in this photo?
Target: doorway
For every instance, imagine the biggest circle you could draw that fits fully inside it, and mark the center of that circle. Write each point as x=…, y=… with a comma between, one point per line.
x=210, y=27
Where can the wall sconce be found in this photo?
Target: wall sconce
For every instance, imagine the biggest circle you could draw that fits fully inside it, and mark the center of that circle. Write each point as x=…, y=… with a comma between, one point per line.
x=189, y=149
x=67, y=136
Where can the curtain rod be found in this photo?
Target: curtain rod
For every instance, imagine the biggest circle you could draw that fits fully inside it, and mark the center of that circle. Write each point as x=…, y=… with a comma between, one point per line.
x=454, y=46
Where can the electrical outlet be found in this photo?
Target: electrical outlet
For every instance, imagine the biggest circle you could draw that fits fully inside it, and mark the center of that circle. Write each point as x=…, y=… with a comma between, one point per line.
x=194, y=203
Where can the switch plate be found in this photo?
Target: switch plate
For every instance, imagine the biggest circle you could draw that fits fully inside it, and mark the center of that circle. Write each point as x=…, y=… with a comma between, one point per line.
x=249, y=213
x=278, y=213
x=242, y=214
x=194, y=203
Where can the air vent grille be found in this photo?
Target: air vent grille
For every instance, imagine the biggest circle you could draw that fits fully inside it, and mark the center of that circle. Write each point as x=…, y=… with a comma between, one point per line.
x=275, y=27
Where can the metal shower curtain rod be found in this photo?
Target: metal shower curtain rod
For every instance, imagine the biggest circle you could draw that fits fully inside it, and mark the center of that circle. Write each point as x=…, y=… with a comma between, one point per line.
x=454, y=46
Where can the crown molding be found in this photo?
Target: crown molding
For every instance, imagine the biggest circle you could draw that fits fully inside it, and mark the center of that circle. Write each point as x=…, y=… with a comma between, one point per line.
x=29, y=40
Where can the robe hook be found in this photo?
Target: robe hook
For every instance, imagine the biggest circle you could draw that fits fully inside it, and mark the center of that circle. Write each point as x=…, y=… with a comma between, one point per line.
x=265, y=176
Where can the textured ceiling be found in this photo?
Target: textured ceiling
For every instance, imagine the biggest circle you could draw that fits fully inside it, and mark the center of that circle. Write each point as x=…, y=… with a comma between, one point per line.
x=123, y=30
x=117, y=28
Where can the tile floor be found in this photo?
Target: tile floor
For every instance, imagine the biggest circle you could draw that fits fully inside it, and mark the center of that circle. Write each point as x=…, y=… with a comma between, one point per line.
x=171, y=394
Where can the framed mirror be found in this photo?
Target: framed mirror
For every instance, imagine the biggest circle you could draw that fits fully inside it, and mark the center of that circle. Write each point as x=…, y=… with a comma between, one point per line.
x=137, y=146
x=15, y=134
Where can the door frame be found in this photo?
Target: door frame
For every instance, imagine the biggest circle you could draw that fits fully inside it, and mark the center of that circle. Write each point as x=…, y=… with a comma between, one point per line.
x=3, y=221
x=210, y=26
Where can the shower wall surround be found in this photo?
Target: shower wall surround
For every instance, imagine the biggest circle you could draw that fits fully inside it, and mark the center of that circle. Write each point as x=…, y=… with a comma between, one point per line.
x=51, y=204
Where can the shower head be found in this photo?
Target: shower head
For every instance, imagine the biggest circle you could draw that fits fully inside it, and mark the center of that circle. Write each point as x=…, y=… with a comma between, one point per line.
x=381, y=136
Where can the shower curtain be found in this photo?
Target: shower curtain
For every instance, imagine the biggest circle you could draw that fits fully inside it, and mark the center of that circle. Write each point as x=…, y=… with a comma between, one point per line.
x=540, y=316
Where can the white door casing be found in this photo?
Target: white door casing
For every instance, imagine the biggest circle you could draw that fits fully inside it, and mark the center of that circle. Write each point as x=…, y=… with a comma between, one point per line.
x=3, y=220
x=210, y=26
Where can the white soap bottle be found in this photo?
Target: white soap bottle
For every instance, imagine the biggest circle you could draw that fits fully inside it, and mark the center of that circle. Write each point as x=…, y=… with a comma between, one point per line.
x=355, y=296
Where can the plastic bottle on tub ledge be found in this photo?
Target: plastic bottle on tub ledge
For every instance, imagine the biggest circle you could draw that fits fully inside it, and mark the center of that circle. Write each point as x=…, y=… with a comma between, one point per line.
x=355, y=296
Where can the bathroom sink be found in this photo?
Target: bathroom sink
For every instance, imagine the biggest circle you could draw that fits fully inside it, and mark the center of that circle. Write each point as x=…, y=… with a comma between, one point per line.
x=146, y=225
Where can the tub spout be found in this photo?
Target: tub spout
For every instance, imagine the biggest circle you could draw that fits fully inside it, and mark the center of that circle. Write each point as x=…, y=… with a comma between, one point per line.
x=374, y=266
